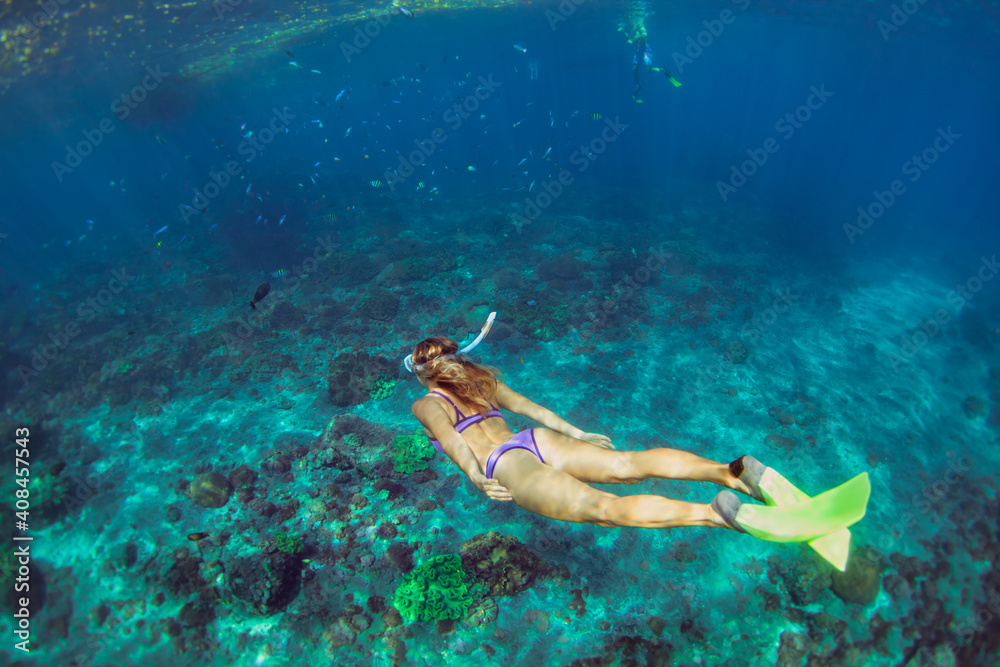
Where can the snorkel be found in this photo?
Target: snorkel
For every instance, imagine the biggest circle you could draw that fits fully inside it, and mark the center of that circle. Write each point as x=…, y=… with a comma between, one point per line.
x=413, y=368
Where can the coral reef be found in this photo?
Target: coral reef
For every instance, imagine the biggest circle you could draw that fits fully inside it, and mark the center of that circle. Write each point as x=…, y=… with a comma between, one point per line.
x=860, y=584
x=267, y=582
x=805, y=579
x=434, y=591
x=973, y=407
x=736, y=352
x=482, y=612
x=353, y=268
x=383, y=388
x=379, y=305
x=210, y=489
x=411, y=453
x=352, y=376
x=288, y=544
x=538, y=315
x=501, y=563
x=47, y=493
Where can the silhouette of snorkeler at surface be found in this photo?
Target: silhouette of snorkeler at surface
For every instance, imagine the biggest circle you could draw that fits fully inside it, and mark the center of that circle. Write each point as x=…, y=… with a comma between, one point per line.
x=644, y=58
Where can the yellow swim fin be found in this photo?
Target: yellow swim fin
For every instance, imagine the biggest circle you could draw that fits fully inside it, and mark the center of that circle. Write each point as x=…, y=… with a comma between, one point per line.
x=834, y=547
x=822, y=521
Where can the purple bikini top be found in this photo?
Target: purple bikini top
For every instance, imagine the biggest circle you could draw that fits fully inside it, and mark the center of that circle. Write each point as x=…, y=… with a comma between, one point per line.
x=463, y=422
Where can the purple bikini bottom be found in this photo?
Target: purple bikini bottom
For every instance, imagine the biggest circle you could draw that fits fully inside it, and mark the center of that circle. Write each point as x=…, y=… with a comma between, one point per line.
x=522, y=440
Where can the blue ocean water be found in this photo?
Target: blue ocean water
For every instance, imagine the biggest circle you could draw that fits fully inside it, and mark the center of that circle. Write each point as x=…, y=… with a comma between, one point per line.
x=728, y=227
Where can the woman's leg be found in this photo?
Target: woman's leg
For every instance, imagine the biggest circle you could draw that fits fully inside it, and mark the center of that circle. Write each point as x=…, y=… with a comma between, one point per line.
x=664, y=463
x=596, y=465
x=553, y=493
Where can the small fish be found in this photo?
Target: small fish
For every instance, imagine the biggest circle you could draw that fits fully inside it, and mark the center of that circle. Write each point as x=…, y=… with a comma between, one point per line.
x=316, y=165
x=596, y=116
x=160, y=231
x=248, y=189
x=420, y=185
x=195, y=537
x=294, y=64
x=531, y=302
x=161, y=139
x=315, y=71
x=261, y=293
x=547, y=153
x=520, y=48
x=376, y=183
x=530, y=187
x=288, y=53
x=281, y=221
x=348, y=133
x=404, y=11
x=522, y=162
x=471, y=168
x=518, y=123
x=278, y=273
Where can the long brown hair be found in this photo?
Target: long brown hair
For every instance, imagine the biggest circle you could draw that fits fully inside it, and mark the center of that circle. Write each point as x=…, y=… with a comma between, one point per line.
x=474, y=384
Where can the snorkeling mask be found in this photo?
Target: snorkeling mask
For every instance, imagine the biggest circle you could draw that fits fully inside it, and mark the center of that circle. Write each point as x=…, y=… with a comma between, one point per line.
x=410, y=366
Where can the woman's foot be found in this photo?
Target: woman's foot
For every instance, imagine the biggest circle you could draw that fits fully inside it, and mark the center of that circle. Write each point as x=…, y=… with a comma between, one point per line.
x=724, y=507
x=747, y=473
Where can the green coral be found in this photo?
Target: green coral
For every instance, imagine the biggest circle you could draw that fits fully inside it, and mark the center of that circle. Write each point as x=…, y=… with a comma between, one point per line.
x=47, y=490
x=382, y=388
x=434, y=591
x=548, y=319
x=410, y=453
x=288, y=544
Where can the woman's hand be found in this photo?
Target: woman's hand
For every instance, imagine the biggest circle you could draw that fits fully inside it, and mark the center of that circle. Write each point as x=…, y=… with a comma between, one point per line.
x=597, y=439
x=492, y=488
